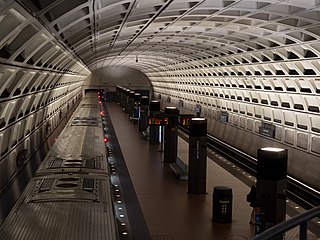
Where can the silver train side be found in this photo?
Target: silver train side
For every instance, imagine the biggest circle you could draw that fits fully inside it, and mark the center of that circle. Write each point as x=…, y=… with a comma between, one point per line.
x=70, y=195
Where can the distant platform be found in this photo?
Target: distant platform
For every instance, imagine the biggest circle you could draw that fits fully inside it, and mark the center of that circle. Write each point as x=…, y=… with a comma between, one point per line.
x=170, y=212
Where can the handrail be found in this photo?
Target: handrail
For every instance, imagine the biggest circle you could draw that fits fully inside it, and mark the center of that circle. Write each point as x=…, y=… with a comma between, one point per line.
x=301, y=219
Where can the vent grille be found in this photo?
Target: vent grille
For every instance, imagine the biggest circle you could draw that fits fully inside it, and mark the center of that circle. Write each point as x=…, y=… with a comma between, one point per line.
x=85, y=121
x=73, y=163
x=56, y=163
x=46, y=184
x=65, y=187
x=88, y=184
x=90, y=163
x=87, y=105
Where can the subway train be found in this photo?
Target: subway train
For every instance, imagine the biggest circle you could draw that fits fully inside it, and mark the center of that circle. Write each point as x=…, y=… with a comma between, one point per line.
x=70, y=196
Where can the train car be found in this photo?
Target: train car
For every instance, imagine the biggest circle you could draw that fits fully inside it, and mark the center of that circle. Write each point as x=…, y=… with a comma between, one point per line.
x=70, y=196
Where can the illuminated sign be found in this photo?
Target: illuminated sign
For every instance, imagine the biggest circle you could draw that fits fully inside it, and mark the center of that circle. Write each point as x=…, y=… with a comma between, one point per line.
x=184, y=119
x=158, y=120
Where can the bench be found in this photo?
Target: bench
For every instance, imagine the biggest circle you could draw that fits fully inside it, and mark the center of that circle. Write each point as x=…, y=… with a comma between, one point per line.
x=180, y=169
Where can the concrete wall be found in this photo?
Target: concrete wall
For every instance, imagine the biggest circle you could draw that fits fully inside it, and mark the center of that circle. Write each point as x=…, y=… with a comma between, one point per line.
x=109, y=77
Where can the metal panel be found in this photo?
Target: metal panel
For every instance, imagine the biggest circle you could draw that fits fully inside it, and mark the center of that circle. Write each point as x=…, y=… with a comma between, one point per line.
x=61, y=221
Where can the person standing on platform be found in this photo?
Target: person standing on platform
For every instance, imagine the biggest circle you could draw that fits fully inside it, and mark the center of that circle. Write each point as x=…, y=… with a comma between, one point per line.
x=251, y=198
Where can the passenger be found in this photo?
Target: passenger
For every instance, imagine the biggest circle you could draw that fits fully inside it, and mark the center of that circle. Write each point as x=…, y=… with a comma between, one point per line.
x=251, y=198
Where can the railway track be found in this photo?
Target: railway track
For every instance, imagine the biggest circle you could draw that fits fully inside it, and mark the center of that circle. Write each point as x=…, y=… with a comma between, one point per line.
x=298, y=192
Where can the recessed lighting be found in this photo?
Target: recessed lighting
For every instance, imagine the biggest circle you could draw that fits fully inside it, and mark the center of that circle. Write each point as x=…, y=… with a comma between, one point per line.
x=272, y=149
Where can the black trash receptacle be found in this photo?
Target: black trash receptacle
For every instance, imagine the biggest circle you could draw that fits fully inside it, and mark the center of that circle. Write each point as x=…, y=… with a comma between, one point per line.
x=222, y=204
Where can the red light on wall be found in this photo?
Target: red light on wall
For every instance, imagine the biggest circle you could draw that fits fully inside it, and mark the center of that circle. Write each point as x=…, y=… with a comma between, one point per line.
x=106, y=140
x=101, y=113
x=99, y=102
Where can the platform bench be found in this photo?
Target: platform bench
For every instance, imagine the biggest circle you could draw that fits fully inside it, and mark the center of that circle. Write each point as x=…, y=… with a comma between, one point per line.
x=180, y=169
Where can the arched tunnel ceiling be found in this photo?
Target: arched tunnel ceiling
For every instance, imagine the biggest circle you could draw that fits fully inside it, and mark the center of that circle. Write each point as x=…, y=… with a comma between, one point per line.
x=147, y=34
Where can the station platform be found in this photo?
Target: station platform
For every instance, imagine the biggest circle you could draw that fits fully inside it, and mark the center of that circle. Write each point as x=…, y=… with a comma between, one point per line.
x=169, y=211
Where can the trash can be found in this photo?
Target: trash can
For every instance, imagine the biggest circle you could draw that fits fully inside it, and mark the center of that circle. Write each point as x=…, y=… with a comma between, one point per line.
x=222, y=204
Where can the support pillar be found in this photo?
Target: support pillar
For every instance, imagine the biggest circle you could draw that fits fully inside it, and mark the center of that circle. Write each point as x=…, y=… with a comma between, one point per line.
x=154, y=136
x=197, y=166
x=136, y=110
x=171, y=135
x=144, y=109
x=271, y=188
